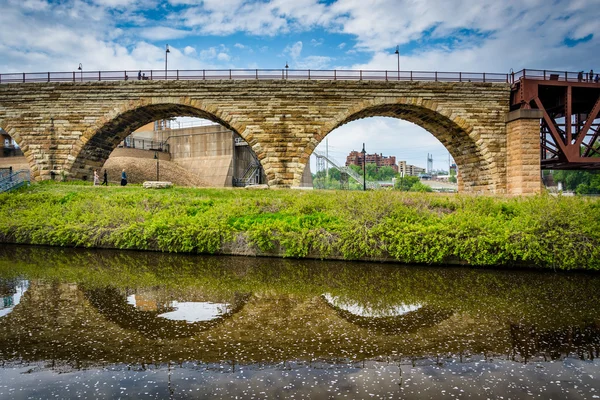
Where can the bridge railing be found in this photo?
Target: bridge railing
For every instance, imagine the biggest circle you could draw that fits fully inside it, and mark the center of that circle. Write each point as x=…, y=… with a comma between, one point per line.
x=550, y=75
x=15, y=180
x=294, y=74
x=250, y=74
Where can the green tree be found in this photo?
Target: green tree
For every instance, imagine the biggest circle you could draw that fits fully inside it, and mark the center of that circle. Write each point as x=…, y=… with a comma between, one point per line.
x=371, y=172
x=406, y=183
x=386, y=173
x=572, y=179
x=356, y=169
x=420, y=187
x=452, y=177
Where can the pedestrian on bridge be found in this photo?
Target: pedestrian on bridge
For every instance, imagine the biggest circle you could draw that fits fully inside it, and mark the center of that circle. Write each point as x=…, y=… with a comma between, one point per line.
x=139, y=75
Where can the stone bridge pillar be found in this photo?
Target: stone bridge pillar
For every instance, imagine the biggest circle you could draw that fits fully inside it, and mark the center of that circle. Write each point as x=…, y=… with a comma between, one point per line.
x=281, y=151
x=523, y=171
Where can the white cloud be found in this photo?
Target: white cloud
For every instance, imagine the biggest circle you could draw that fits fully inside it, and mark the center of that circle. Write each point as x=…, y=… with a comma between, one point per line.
x=239, y=46
x=211, y=52
x=222, y=17
x=115, y=3
x=294, y=50
x=314, y=62
x=162, y=33
x=189, y=50
x=35, y=5
x=223, y=57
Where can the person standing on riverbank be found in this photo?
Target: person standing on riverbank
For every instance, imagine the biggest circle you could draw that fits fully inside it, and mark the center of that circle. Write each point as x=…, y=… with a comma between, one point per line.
x=123, y=178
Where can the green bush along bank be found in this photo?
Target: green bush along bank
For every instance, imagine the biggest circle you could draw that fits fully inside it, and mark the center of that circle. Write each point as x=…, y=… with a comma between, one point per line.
x=540, y=231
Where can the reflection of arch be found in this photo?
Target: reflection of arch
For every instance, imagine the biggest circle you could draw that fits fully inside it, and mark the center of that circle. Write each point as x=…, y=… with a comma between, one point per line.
x=101, y=138
x=11, y=291
x=113, y=305
x=453, y=131
x=410, y=321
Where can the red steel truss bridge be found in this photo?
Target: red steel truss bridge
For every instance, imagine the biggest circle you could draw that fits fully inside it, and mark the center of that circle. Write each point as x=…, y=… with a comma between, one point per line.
x=570, y=124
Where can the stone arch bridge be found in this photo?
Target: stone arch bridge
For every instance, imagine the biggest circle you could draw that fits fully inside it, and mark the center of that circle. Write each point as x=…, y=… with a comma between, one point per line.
x=72, y=127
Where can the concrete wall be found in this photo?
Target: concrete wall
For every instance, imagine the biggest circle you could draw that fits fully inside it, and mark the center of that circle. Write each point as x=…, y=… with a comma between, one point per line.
x=137, y=153
x=206, y=151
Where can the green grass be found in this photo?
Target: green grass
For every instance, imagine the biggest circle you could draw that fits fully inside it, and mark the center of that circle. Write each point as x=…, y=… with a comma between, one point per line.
x=539, y=231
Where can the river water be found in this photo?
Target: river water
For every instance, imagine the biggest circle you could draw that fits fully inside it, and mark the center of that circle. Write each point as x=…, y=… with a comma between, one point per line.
x=108, y=324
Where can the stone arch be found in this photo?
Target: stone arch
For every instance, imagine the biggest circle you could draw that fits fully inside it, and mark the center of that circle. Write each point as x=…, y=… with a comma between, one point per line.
x=14, y=134
x=461, y=139
x=102, y=137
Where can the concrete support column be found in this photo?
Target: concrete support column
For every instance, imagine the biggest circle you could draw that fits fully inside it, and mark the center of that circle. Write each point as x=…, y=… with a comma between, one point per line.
x=523, y=171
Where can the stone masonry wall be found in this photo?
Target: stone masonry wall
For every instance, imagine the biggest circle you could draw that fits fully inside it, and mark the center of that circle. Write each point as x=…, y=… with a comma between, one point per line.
x=74, y=126
x=523, y=171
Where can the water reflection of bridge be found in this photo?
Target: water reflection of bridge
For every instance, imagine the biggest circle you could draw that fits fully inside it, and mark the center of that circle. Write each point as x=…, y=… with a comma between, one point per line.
x=88, y=327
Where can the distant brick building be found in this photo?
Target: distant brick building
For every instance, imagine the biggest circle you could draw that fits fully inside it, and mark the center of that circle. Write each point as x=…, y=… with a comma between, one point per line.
x=356, y=158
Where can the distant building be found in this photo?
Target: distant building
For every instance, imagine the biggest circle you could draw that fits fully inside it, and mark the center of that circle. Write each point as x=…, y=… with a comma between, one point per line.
x=409, y=170
x=8, y=147
x=356, y=158
x=453, y=169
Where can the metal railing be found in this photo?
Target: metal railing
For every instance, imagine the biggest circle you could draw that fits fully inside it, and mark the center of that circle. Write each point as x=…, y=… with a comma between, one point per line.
x=15, y=180
x=254, y=74
x=5, y=172
x=550, y=75
x=294, y=74
x=143, y=144
x=249, y=176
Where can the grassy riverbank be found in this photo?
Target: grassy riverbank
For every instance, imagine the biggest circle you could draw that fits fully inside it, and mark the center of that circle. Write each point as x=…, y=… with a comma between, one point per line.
x=542, y=231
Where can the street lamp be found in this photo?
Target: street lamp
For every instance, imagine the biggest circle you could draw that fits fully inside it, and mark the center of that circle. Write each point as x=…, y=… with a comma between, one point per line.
x=364, y=153
x=167, y=51
x=80, y=68
x=397, y=52
x=156, y=158
x=286, y=70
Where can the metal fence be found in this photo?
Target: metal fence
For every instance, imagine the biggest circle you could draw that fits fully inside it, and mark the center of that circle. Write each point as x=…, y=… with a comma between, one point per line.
x=256, y=74
x=143, y=144
x=294, y=74
x=549, y=75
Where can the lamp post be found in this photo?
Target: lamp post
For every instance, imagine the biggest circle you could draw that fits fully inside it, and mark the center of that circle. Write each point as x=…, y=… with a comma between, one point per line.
x=286, y=70
x=80, y=68
x=364, y=153
x=156, y=158
x=397, y=52
x=167, y=51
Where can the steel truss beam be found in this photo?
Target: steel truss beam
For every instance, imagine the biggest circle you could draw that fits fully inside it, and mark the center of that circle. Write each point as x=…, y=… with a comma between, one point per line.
x=570, y=127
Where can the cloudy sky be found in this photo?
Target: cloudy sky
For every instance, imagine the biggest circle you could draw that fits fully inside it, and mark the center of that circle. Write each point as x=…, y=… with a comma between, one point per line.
x=442, y=35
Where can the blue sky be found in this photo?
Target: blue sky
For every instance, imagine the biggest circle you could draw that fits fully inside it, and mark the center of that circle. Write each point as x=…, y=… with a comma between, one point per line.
x=442, y=35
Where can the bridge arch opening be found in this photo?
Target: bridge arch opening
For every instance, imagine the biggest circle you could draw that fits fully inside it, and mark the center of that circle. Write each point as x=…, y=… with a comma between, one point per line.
x=11, y=153
x=169, y=142
x=423, y=142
